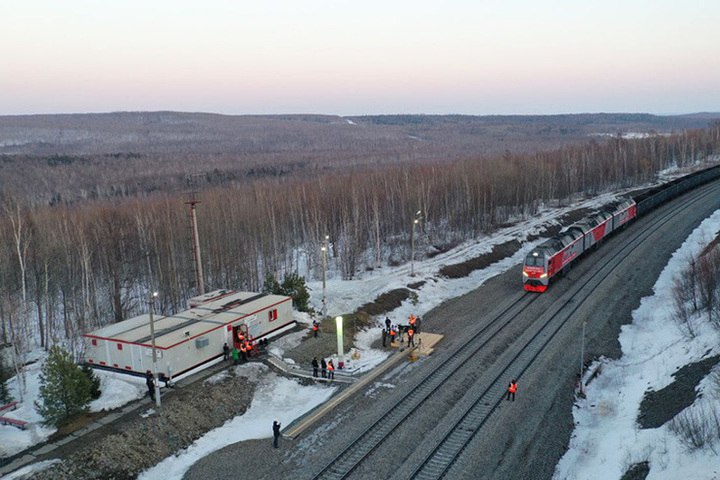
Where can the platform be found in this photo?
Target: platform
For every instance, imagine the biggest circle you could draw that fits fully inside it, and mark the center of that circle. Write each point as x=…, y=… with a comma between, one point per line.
x=424, y=346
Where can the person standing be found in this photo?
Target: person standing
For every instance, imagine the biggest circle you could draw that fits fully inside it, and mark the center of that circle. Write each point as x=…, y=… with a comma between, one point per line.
x=226, y=352
x=316, y=327
x=331, y=370
x=315, y=366
x=323, y=367
x=512, y=388
x=150, y=382
x=411, y=337
x=387, y=324
x=384, y=336
x=235, y=355
x=392, y=336
x=276, y=433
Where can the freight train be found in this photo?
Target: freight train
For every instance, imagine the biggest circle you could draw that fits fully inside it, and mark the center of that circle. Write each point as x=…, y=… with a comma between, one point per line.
x=555, y=256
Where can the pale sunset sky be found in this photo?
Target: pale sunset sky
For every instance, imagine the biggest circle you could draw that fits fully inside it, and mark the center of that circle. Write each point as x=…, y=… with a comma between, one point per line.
x=360, y=57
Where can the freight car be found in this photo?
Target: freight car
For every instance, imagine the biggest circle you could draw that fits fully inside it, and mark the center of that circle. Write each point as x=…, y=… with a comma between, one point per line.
x=555, y=256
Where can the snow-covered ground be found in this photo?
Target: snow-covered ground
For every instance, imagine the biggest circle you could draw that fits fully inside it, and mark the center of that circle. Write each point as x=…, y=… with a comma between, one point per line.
x=607, y=439
x=285, y=399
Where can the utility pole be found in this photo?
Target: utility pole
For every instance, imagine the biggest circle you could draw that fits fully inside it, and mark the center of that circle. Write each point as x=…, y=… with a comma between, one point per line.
x=151, y=303
x=582, y=357
x=196, y=243
x=324, y=249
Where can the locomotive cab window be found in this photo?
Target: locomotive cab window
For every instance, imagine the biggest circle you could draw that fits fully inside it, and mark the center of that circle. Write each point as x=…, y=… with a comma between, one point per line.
x=534, y=261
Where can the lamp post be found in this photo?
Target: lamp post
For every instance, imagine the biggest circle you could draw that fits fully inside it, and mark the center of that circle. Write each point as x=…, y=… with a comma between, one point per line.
x=341, y=354
x=151, y=303
x=416, y=220
x=324, y=263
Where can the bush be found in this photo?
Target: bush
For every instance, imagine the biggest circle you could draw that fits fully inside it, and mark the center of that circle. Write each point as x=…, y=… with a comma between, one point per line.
x=695, y=429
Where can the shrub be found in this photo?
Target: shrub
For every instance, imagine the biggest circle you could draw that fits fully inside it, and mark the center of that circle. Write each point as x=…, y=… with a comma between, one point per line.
x=693, y=429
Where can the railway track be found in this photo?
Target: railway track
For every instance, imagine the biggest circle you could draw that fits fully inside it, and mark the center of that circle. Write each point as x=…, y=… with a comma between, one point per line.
x=482, y=398
x=482, y=403
x=344, y=463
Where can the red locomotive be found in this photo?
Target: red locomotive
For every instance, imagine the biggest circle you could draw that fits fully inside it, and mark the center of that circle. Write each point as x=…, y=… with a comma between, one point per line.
x=555, y=256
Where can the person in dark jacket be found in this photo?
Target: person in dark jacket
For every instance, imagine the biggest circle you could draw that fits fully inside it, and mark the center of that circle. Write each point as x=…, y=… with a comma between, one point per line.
x=315, y=366
x=323, y=367
x=387, y=324
x=276, y=433
x=150, y=382
x=226, y=352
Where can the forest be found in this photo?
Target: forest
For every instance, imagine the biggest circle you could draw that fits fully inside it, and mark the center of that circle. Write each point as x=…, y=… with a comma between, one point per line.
x=67, y=267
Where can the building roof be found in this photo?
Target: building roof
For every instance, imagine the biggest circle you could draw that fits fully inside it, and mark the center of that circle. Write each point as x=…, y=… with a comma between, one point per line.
x=212, y=311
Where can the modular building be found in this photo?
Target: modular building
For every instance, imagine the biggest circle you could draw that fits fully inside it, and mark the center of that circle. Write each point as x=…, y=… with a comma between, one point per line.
x=187, y=339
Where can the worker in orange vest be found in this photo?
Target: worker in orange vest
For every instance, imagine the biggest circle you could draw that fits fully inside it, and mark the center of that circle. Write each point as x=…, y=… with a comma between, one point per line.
x=392, y=336
x=411, y=337
x=316, y=327
x=411, y=321
x=249, y=347
x=331, y=370
x=512, y=388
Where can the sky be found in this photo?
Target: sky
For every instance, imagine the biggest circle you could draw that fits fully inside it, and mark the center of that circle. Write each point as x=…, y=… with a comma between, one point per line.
x=360, y=57
x=606, y=439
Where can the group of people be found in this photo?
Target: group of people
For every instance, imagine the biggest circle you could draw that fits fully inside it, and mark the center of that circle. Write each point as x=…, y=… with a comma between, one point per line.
x=396, y=333
x=327, y=369
x=247, y=348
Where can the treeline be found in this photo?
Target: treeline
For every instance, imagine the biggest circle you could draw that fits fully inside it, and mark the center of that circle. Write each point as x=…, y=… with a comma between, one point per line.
x=67, y=269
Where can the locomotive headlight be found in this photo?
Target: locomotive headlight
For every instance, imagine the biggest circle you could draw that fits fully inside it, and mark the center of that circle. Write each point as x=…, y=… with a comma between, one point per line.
x=543, y=275
x=525, y=274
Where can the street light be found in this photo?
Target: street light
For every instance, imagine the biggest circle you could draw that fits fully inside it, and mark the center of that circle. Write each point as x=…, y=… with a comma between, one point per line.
x=324, y=249
x=341, y=354
x=412, y=243
x=151, y=302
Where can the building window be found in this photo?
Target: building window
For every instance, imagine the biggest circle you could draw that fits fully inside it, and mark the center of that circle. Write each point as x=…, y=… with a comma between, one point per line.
x=94, y=342
x=119, y=346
